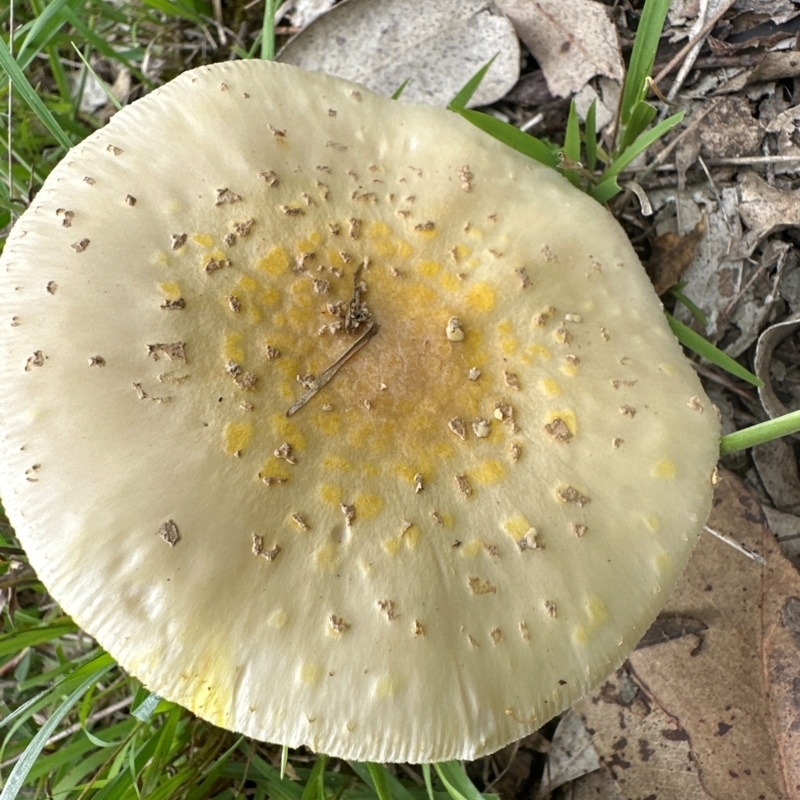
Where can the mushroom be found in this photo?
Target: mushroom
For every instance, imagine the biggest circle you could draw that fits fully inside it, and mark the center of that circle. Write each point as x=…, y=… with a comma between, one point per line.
x=247, y=380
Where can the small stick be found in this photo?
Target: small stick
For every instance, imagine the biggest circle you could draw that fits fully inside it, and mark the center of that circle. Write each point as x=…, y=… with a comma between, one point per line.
x=372, y=329
x=678, y=57
x=736, y=546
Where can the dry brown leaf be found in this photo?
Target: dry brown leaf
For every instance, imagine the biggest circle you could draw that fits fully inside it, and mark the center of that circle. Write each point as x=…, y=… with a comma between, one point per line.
x=764, y=210
x=730, y=130
x=721, y=697
x=644, y=750
x=780, y=649
x=672, y=255
x=437, y=45
x=572, y=754
x=573, y=40
x=715, y=714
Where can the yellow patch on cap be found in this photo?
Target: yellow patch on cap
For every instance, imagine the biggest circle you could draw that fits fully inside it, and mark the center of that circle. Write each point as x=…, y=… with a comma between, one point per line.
x=331, y=494
x=305, y=245
x=247, y=284
x=450, y=282
x=471, y=548
x=270, y=296
x=203, y=239
x=665, y=468
x=287, y=430
x=310, y=674
x=277, y=618
x=275, y=468
x=461, y=251
x=580, y=635
x=335, y=462
x=171, y=290
x=652, y=522
x=326, y=558
x=368, y=506
x=550, y=387
x=378, y=230
x=392, y=546
x=236, y=436
x=490, y=471
x=275, y=262
x=231, y=351
x=481, y=297
x=404, y=249
x=570, y=369
x=517, y=527
x=406, y=472
x=419, y=296
x=663, y=562
x=386, y=686
x=597, y=610
x=538, y=351
x=411, y=537
x=327, y=422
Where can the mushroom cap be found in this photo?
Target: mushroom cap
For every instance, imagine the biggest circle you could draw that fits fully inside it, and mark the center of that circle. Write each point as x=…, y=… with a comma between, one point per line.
x=460, y=533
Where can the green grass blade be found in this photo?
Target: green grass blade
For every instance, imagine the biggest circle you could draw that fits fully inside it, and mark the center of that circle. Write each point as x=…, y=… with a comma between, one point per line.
x=608, y=186
x=398, y=92
x=513, y=137
x=175, y=8
x=101, y=83
x=695, y=342
x=470, y=87
x=572, y=145
x=28, y=94
x=17, y=777
x=315, y=788
x=590, y=137
x=457, y=782
x=41, y=31
x=761, y=433
x=641, y=116
x=386, y=785
x=572, y=138
x=146, y=708
x=378, y=774
x=645, y=45
x=102, y=47
x=284, y=760
x=426, y=774
x=268, y=31
x=15, y=641
x=694, y=310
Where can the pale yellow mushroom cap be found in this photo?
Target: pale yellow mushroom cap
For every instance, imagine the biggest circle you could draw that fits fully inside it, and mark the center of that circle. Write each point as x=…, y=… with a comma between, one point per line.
x=464, y=530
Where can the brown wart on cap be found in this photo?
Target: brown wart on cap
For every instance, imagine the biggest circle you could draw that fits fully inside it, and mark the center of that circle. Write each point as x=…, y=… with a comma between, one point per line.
x=292, y=493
